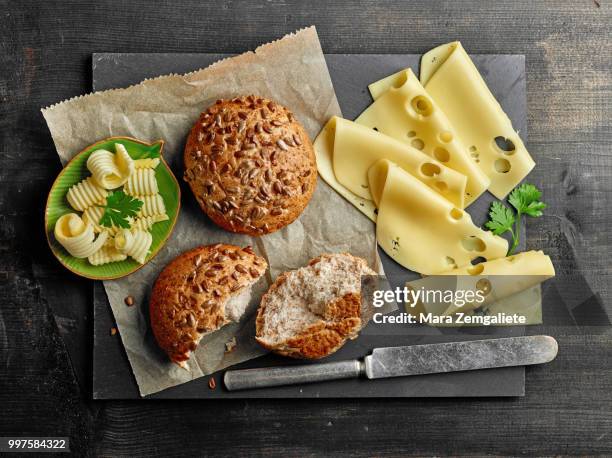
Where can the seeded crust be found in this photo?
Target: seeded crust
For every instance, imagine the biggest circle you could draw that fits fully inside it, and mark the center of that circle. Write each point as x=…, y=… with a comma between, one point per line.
x=190, y=295
x=340, y=321
x=250, y=165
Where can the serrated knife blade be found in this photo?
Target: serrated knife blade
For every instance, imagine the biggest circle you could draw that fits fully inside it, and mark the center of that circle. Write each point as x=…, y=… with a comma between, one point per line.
x=405, y=361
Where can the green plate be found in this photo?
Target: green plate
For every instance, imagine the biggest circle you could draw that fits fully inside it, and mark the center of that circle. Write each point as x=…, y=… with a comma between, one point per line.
x=75, y=171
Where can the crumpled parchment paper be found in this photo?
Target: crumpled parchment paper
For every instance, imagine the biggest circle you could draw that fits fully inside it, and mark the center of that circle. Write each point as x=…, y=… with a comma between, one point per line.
x=291, y=71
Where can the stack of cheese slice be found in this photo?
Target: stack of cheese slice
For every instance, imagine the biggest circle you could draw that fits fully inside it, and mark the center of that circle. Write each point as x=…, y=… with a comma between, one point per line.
x=451, y=84
x=421, y=153
x=346, y=150
x=407, y=113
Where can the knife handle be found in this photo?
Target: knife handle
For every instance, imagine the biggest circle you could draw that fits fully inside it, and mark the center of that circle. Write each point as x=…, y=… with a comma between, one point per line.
x=291, y=375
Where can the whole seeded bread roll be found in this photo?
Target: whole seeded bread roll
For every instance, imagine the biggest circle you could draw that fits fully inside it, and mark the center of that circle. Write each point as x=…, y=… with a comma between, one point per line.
x=312, y=311
x=200, y=291
x=250, y=165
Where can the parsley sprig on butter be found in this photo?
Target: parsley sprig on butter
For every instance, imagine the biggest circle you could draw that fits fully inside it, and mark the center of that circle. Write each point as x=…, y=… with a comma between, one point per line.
x=526, y=200
x=119, y=207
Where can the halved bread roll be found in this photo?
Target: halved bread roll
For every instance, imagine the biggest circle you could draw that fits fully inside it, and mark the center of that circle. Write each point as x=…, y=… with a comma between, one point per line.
x=312, y=311
x=200, y=291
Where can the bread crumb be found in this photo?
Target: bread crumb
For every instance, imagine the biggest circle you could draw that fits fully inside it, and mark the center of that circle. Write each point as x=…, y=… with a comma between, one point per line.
x=231, y=345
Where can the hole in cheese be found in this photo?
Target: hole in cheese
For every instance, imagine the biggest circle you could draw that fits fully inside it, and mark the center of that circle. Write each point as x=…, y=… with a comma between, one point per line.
x=401, y=80
x=375, y=128
x=456, y=214
x=441, y=154
x=411, y=134
x=422, y=105
x=446, y=137
x=473, y=243
x=441, y=186
x=505, y=145
x=477, y=260
x=484, y=285
x=451, y=262
x=502, y=165
x=472, y=148
x=429, y=170
x=475, y=270
x=418, y=143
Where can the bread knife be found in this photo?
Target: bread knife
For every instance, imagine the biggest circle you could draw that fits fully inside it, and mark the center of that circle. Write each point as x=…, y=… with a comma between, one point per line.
x=405, y=361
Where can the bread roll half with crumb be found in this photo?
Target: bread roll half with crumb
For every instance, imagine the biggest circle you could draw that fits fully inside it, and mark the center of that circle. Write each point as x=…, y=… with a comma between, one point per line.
x=312, y=311
x=200, y=291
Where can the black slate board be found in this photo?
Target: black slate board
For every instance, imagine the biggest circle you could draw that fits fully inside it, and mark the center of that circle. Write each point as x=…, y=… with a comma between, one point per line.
x=351, y=73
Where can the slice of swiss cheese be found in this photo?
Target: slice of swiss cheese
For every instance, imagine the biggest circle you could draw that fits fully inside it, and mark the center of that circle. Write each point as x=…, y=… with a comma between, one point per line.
x=346, y=150
x=420, y=229
x=381, y=86
x=357, y=148
x=526, y=303
x=452, y=80
x=407, y=113
x=524, y=264
x=324, y=151
x=500, y=279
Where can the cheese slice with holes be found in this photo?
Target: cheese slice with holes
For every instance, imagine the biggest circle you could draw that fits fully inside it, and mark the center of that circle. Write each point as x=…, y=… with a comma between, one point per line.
x=356, y=148
x=524, y=264
x=502, y=278
x=324, y=150
x=381, y=86
x=509, y=285
x=420, y=229
x=407, y=113
x=452, y=80
x=526, y=304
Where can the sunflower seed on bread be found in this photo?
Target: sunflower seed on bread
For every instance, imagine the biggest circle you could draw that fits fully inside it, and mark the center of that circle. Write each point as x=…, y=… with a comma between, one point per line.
x=189, y=299
x=312, y=311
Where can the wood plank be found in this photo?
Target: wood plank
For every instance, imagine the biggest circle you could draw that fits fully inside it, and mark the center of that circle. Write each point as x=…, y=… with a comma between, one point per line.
x=45, y=58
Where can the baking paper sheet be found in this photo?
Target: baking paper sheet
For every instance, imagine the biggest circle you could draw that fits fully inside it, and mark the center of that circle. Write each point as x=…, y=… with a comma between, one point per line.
x=291, y=71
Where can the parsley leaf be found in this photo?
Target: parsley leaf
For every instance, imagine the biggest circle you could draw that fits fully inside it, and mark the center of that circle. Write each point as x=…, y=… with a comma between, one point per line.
x=502, y=219
x=119, y=207
x=526, y=200
x=534, y=209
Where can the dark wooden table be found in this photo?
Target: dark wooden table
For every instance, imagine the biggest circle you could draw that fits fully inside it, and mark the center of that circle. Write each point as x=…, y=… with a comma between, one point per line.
x=45, y=58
